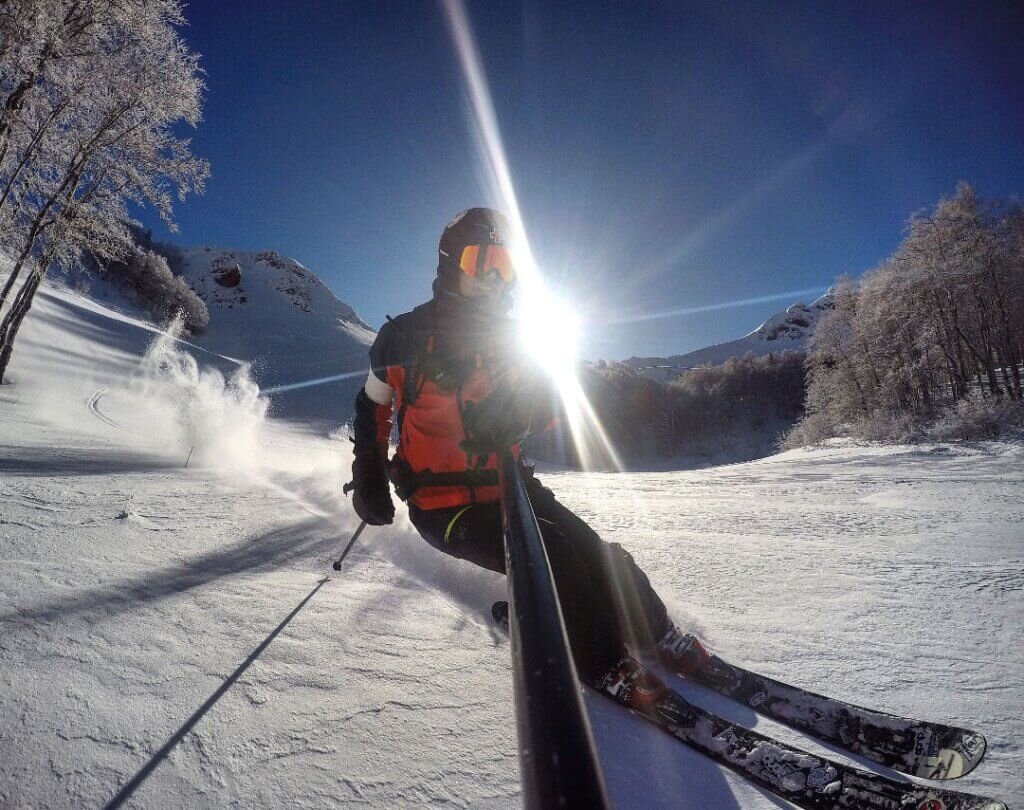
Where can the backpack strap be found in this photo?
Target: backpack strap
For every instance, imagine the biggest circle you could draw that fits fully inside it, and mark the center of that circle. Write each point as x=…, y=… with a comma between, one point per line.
x=407, y=481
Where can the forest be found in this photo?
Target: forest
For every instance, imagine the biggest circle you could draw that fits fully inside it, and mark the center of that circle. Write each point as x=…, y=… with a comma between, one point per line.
x=929, y=344
x=730, y=412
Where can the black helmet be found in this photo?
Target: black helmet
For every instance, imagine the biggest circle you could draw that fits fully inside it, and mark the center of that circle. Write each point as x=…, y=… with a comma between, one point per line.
x=476, y=243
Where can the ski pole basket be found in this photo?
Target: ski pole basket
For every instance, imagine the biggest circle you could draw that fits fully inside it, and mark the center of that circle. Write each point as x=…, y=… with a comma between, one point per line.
x=557, y=758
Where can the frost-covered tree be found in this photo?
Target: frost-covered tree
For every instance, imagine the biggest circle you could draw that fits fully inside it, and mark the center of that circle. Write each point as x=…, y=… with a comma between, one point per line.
x=92, y=90
x=146, y=277
x=939, y=323
x=834, y=373
x=961, y=279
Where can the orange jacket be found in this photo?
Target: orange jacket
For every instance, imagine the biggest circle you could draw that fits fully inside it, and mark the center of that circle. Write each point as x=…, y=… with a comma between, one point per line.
x=433, y=364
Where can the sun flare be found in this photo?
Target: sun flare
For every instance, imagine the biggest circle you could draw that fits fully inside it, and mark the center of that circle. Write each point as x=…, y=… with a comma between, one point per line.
x=549, y=332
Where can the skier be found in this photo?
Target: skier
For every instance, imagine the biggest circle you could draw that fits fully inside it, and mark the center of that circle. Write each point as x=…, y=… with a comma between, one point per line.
x=461, y=391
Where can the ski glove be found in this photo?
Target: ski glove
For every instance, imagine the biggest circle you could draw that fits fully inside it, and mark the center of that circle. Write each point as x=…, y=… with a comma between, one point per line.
x=374, y=505
x=371, y=496
x=507, y=416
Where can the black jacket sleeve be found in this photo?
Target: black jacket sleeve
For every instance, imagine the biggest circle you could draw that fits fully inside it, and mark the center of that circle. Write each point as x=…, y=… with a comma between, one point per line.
x=371, y=430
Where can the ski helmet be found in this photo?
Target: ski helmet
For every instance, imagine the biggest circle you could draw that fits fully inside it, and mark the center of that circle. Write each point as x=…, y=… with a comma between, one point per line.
x=475, y=243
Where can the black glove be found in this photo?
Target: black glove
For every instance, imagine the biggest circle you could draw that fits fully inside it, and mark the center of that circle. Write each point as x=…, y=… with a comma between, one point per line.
x=491, y=425
x=507, y=416
x=371, y=492
x=373, y=504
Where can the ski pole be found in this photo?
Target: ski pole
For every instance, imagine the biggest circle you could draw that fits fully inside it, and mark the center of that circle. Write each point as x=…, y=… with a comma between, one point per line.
x=348, y=548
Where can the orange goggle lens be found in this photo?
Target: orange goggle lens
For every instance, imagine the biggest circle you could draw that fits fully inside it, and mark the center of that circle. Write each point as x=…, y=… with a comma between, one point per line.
x=479, y=261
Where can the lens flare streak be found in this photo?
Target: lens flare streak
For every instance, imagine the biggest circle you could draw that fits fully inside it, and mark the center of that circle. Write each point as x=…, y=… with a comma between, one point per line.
x=584, y=426
x=277, y=389
x=744, y=302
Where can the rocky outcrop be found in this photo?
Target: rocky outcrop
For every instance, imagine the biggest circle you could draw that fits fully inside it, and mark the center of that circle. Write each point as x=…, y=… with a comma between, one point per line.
x=229, y=278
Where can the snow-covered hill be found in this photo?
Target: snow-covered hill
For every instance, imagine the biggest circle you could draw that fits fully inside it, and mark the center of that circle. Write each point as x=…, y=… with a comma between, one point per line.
x=170, y=625
x=268, y=309
x=786, y=330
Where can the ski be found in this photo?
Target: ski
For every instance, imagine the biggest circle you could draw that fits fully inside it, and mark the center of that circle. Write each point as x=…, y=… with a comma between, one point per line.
x=915, y=747
x=805, y=779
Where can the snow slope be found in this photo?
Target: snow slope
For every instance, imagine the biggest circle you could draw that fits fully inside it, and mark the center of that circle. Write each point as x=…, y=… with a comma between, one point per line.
x=788, y=330
x=156, y=529
x=268, y=309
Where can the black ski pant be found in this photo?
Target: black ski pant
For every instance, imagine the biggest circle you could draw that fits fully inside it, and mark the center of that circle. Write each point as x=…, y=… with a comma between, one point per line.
x=607, y=601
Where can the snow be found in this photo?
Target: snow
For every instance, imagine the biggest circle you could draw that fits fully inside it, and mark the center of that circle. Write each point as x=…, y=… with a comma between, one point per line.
x=136, y=586
x=789, y=330
x=282, y=318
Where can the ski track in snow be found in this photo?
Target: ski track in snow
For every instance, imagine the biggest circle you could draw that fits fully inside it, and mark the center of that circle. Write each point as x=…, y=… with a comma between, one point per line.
x=134, y=587
x=93, y=403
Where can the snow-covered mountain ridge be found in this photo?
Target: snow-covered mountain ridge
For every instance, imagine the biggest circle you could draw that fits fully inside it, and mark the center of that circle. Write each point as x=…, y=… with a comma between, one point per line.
x=270, y=310
x=229, y=278
x=789, y=329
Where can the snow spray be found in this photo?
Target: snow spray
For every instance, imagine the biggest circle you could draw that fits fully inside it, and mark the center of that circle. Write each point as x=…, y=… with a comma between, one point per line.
x=220, y=418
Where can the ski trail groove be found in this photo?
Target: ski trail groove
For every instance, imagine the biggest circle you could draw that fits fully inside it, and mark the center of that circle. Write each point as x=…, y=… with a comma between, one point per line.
x=93, y=404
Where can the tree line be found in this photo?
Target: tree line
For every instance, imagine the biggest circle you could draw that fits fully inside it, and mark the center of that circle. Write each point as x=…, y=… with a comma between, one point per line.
x=91, y=94
x=146, y=275
x=932, y=340
x=734, y=411
x=927, y=345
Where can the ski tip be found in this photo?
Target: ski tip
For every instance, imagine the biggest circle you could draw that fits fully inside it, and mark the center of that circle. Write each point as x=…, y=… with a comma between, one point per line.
x=976, y=744
x=958, y=758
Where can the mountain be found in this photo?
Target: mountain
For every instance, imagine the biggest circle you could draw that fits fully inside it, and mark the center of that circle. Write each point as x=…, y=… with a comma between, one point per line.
x=786, y=330
x=271, y=311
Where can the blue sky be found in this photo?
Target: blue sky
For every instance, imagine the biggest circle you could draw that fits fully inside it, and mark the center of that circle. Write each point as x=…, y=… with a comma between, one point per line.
x=666, y=155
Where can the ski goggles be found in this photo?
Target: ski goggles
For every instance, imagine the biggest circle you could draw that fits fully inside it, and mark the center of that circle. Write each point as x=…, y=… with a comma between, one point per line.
x=480, y=261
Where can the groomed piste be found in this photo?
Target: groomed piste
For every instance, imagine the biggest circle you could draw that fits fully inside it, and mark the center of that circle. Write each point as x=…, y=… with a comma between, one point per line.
x=139, y=593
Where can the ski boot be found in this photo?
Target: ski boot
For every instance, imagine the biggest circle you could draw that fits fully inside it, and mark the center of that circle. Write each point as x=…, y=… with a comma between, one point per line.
x=628, y=683
x=686, y=656
x=682, y=651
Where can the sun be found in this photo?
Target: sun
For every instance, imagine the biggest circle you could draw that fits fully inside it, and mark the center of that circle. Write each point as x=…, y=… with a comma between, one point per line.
x=549, y=332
